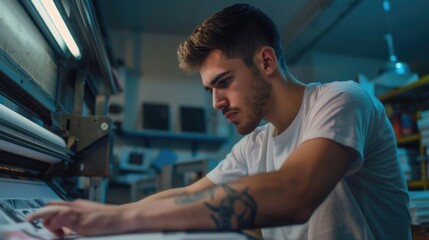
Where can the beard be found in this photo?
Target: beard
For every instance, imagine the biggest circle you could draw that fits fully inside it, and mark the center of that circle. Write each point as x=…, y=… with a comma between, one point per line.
x=259, y=97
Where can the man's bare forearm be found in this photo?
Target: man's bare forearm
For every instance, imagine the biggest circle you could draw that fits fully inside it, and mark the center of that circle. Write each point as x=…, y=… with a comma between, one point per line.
x=228, y=206
x=233, y=205
x=237, y=206
x=170, y=193
x=198, y=186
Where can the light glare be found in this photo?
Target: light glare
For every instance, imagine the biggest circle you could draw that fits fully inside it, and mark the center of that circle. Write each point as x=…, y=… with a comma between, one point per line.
x=56, y=25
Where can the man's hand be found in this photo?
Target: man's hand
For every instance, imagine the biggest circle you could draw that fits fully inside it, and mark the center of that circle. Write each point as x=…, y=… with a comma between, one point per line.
x=81, y=216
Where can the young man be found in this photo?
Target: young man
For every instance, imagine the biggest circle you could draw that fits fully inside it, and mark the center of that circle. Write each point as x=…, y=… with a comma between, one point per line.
x=324, y=167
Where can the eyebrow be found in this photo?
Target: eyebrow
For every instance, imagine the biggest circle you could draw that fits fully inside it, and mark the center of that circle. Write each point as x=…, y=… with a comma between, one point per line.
x=216, y=79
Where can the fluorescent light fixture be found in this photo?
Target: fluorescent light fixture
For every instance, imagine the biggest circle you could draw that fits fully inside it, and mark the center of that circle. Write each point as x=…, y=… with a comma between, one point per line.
x=56, y=25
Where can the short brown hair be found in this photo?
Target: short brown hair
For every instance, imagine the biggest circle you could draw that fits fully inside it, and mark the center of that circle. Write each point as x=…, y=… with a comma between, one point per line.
x=238, y=31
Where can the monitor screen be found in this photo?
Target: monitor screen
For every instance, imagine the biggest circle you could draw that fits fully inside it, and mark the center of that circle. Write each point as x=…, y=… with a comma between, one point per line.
x=193, y=119
x=155, y=116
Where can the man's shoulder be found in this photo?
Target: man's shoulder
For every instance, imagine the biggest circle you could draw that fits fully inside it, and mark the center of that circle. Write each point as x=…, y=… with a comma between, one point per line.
x=341, y=86
x=344, y=89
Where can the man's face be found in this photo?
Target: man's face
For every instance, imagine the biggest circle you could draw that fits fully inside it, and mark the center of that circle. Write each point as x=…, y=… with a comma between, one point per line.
x=240, y=92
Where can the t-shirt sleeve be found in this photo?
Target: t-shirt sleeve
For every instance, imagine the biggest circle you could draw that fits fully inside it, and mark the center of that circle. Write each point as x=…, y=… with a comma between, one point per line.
x=232, y=167
x=342, y=114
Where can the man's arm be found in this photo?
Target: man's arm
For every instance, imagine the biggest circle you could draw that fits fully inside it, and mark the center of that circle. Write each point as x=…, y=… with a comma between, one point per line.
x=82, y=215
x=286, y=196
x=197, y=186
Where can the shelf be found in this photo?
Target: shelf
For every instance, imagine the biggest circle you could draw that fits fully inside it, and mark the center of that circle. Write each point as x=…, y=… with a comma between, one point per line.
x=416, y=96
x=171, y=136
x=194, y=138
x=408, y=139
x=417, y=184
x=415, y=88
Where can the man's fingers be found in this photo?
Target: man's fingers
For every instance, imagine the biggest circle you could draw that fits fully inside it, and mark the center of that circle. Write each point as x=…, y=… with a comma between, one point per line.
x=59, y=232
x=56, y=225
x=81, y=203
x=59, y=203
x=45, y=212
x=67, y=231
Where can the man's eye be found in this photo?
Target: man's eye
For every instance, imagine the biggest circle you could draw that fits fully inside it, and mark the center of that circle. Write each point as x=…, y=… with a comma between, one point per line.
x=224, y=82
x=209, y=90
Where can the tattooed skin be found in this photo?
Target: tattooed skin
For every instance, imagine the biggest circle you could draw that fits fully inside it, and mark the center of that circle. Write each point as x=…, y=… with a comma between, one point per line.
x=195, y=197
x=236, y=207
x=227, y=211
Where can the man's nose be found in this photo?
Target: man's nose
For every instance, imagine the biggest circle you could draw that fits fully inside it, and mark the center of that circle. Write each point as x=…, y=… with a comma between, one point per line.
x=219, y=101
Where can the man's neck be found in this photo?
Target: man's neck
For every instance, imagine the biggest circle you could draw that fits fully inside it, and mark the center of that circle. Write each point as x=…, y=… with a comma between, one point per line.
x=286, y=103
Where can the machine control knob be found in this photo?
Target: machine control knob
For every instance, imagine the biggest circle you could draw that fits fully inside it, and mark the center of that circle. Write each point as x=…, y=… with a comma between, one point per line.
x=104, y=126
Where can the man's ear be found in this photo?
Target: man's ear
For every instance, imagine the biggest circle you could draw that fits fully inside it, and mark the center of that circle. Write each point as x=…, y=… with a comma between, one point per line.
x=266, y=60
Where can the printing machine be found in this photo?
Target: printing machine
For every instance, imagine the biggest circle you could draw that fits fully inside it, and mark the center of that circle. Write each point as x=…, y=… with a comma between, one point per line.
x=53, y=123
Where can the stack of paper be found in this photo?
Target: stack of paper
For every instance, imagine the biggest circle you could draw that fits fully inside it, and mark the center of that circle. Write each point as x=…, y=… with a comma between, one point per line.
x=408, y=161
x=423, y=125
x=419, y=207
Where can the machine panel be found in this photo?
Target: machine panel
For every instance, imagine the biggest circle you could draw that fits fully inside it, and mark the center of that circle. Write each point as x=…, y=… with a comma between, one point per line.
x=19, y=198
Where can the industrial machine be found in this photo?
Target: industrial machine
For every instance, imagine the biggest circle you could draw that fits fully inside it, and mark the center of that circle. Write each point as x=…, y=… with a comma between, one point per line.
x=55, y=81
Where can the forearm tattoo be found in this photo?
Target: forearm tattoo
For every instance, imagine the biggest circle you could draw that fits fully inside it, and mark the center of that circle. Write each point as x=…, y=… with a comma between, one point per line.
x=195, y=197
x=237, y=206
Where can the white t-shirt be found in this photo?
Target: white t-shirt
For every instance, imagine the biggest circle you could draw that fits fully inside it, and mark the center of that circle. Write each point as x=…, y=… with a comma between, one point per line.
x=371, y=201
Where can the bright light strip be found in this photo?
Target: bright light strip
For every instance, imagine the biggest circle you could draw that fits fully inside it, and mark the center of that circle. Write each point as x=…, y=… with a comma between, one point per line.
x=56, y=25
x=45, y=16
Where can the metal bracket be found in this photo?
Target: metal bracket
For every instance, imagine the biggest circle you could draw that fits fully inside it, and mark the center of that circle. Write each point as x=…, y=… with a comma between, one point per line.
x=79, y=91
x=91, y=138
